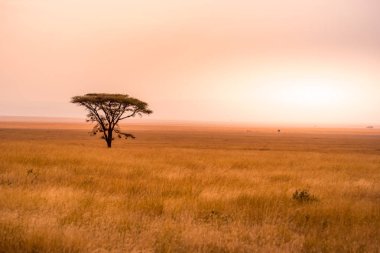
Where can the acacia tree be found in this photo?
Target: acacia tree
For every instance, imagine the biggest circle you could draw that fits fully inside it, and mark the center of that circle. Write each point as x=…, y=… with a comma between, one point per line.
x=107, y=110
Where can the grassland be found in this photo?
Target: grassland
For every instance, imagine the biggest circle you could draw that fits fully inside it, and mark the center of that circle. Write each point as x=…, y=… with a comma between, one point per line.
x=188, y=189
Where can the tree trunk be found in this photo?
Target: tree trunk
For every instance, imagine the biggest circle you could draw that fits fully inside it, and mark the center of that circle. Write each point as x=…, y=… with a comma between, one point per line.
x=109, y=138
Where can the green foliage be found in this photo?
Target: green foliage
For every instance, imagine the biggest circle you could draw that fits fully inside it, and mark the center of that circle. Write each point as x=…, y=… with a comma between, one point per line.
x=112, y=102
x=108, y=109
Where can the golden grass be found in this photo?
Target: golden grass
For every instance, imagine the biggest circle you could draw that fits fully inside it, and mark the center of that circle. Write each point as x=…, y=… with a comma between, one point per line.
x=189, y=189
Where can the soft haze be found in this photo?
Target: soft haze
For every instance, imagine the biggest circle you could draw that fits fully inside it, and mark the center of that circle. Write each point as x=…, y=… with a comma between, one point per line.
x=292, y=61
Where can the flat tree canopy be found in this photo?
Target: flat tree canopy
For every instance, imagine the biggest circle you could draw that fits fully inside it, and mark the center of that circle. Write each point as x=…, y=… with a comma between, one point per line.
x=108, y=109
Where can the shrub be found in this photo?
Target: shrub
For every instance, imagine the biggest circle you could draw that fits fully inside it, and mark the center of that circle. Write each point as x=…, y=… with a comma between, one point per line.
x=303, y=196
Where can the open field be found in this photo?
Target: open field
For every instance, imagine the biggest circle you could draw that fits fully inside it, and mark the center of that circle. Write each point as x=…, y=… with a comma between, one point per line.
x=188, y=189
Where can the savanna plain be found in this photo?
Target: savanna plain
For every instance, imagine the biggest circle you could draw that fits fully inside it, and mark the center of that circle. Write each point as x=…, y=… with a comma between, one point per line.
x=189, y=189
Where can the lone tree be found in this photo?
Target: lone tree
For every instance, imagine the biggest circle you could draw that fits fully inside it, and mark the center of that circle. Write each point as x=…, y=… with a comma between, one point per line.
x=108, y=109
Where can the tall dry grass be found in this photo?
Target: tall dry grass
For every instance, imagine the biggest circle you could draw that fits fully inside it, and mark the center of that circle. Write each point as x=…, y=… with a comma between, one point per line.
x=189, y=190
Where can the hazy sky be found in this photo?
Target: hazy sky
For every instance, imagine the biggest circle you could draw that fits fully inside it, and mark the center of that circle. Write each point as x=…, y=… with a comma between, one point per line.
x=272, y=61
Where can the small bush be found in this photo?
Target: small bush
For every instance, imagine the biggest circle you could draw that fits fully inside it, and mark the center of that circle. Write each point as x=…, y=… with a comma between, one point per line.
x=303, y=196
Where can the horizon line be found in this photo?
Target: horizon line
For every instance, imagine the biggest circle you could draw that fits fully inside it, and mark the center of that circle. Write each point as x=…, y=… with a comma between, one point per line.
x=54, y=119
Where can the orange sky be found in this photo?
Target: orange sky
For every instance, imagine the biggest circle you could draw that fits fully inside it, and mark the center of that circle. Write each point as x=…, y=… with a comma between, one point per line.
x=289, y=61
